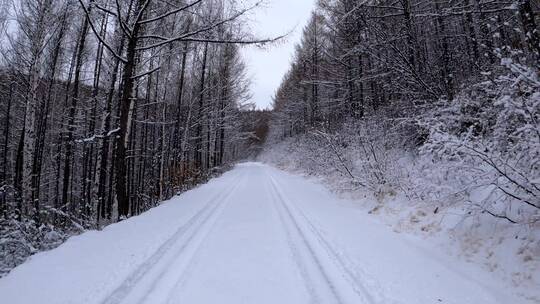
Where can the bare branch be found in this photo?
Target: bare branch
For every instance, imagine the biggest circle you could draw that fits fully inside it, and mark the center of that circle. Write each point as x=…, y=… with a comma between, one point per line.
x=172, y=12
x=140, y=13
x=146, y=73
x=186, y=36
x=123, y=25
x=98, y=36
x=104, y=9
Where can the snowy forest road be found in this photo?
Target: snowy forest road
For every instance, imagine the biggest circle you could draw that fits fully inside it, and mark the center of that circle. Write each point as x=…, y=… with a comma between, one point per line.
x=253, y=235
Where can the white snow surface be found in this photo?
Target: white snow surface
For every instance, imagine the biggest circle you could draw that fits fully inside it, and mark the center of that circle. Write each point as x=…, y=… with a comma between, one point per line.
x=254, y=235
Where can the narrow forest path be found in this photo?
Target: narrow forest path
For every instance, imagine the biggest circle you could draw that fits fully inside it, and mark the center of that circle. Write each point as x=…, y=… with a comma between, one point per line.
x=254, y=235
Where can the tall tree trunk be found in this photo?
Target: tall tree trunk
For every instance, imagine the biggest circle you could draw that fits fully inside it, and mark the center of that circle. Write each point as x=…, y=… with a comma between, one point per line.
x=103, y=154
x=122, y=196
x=177, y=139
x=103, y=157
x=29, y=140
x=3, y=179
x=44, y=115
x=71, y=118
x=198, y=146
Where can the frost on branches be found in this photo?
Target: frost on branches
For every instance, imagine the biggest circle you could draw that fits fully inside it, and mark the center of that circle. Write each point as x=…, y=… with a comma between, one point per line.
x=490, y=138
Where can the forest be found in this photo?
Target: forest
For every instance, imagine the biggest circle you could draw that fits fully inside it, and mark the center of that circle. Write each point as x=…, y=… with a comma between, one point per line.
x=110, y=107
x=439, y=100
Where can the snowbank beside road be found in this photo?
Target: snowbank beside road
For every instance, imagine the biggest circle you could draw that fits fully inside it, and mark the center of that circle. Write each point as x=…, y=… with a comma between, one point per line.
x=417, y=203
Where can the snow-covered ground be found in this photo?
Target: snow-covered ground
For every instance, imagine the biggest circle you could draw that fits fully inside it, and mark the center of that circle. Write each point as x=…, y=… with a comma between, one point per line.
x=420, y=196
x=254, y=235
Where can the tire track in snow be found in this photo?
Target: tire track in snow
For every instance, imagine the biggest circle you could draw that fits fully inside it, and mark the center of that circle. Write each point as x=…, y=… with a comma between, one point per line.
x=182, y=237
x=353, y=273
x=343, y=262
x=186, y=273
x=293, y=245
x=341, y=283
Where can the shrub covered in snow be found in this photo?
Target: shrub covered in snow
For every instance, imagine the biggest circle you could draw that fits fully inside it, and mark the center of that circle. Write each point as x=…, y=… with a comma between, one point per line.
x=20, y=238
x=489, y=140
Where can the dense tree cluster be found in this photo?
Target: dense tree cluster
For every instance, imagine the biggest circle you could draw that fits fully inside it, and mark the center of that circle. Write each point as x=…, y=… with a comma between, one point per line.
x=356, y=57
x=109, y=107
x=455, y=81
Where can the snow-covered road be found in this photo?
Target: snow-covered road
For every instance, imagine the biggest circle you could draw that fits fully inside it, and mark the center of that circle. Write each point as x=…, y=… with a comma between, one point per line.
x=254, y=235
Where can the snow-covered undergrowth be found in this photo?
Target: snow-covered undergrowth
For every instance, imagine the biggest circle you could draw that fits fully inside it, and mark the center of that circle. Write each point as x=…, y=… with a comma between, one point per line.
x=22, y=238
x=465, y=174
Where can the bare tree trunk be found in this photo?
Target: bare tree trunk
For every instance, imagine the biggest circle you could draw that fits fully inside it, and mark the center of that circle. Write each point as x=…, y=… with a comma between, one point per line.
x=177, y=139
x=29, y=134
x=3, y=180
x=44, y=115
x=198, y=146
x=125, y=102
x=92, y=161
x=103, y=155
x=71, y=118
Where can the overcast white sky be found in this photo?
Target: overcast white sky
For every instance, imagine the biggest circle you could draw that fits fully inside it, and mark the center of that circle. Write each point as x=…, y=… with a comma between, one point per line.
x=267, y=67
